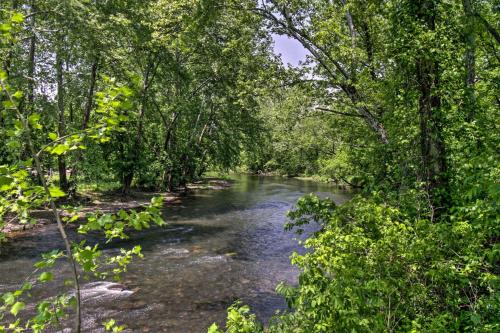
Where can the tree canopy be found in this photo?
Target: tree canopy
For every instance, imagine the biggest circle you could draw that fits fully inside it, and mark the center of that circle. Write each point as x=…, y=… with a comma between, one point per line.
x=399, y=99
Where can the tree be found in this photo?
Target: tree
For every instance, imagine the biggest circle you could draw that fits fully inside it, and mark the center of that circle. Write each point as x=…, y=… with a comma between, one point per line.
x=21, y=194
x=414, y=251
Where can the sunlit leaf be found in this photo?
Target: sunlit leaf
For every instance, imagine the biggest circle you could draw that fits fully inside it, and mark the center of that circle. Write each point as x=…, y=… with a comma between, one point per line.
x=56, y=192
x=46, y=277
x=59, y=149
x=17, y=307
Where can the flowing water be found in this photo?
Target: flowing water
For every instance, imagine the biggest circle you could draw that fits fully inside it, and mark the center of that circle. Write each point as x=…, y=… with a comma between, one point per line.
x=219, y=246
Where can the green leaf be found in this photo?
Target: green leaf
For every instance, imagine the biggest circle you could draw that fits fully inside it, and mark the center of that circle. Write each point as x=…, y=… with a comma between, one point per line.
x=72, y=301
x=34, y=119
x=53, y=136
x=59, y=149
x=8, y=298
x=109, y=324
x=18, y=95
x=137, y=250
x=13, y=144
x=17, y=17
x=213, y=329
x=46, y=277
x=5, y=183
x=56, y=192
x=5, y=27
x=18, y=125
x=17, y=307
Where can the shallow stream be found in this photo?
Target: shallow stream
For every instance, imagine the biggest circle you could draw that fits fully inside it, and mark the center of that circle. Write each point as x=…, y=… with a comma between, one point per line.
x=219, y=246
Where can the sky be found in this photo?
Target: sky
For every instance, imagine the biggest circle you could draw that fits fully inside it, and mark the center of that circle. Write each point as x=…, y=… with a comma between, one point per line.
x=290, y=50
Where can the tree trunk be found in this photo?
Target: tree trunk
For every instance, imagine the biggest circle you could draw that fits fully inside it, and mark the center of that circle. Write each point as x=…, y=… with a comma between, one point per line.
x=31, y=60
x=61, y=160
x=202, y=165
x=369, y=48
x=127, y=182
x=432, y=144
x=167, y=177
x=8, y=61
x=90, y=96
x=73, y=181
x=129, y=175
x=470, y=60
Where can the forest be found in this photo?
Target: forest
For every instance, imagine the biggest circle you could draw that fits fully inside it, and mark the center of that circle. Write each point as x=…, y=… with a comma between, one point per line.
x=397, y=101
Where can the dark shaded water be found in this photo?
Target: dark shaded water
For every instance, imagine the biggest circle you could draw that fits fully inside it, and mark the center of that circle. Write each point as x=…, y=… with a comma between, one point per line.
x=219, y=246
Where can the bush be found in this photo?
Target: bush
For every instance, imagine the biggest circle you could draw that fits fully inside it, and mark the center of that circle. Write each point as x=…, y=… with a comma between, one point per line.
x=239, y=320
x=373, y=268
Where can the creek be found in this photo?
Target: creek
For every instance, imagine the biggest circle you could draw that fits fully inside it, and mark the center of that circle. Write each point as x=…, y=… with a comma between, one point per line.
x=219, y=246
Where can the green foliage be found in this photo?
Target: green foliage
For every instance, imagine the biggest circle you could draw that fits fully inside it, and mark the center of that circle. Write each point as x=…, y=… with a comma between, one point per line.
x=21, y=194
x=239, y=320
x=374, y=268
x=111, y=326
x=18, y=194
x=115, y=225
x=310, y=208
x=397, y=97
x=408, y=94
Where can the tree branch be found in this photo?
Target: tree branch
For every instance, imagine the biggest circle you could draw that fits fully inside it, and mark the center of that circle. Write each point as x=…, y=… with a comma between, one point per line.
x=489, y=27
x=339, y=112
x=53, y=207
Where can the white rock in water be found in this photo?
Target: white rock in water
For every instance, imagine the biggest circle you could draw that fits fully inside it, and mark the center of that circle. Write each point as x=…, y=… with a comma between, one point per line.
x=103, y=289
x=174, y=251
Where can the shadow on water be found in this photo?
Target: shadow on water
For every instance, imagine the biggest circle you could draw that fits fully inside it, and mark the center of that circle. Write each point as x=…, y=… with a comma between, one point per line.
x=48, y=239
x=218, y=247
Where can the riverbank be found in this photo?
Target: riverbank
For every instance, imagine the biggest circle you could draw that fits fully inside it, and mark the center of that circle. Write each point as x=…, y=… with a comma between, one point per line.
x=343, y=185
x=112, y=201
x=326, y=180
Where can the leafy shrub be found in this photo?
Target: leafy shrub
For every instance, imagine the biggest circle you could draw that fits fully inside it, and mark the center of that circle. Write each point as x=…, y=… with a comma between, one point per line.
x=239, y=320
x=374, y=268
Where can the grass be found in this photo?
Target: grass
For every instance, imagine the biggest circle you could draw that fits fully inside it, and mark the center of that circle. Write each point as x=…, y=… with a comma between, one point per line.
x=98, y=186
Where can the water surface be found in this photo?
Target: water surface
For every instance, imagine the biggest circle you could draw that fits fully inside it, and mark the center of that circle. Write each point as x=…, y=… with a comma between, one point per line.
x=219, y=246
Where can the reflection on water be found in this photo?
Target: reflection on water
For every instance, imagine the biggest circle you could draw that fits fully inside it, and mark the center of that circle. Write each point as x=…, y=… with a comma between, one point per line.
x=219, y=246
